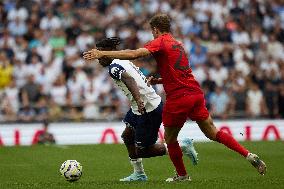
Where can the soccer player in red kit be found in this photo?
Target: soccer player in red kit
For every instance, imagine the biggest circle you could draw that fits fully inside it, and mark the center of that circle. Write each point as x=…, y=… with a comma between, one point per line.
x=184, y=97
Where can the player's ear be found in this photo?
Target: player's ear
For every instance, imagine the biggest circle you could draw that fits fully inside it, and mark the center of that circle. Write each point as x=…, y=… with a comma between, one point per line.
x=156, y=31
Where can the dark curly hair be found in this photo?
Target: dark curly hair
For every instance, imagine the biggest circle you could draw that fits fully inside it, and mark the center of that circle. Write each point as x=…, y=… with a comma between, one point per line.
x=108, y=43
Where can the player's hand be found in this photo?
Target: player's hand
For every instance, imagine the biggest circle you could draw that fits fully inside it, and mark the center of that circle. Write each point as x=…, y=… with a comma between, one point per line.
x=141, y=107
x=153, y=81
x=92, y=54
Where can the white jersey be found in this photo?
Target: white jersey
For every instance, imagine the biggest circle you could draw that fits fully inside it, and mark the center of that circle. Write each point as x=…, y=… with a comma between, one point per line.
x=148, y=95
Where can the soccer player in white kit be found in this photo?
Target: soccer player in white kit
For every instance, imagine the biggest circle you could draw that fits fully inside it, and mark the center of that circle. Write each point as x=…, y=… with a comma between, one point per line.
x=144, y=118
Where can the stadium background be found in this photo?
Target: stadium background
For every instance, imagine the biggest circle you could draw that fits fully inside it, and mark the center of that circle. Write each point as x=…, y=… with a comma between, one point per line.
x=235, y=48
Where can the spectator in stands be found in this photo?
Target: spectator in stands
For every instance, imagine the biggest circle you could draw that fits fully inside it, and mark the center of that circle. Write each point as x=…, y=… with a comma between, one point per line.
x=57, y=42
x=26, y=114
x=255, y=102
x=227, y=59
x=240, y=36
x=34, y=67
x=30, y=92
x=18, y=12
x=43, y=48
x=209, y=83
x=53, y=69
x=75, y=90
x=91, y=95
x=219, y=102
x=3, y=16
x=71, y=49
x=217, y=72
x=229, y=43
x=20, y=73
x=271, y=99
x=7, y=49
x=108, y=113
x=198, y=55
x=73, y=113
x=41, y=109
x=238, y=100
x=59, y=92
x=6, y=71
x=214, y=45
x=243, y=58
x=20, y=48
x=55, y=112
x=83, y=40
x=6, y=108
x=12, y=97
x=50, y=21
x=6, y=39
x=275, y=48
x=17, y=27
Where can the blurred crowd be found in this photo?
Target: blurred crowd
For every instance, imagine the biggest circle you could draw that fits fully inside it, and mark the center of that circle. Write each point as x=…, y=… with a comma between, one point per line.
x=235, y=48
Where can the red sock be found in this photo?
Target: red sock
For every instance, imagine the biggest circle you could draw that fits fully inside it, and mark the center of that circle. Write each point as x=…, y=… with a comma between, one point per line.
x=175, y=154
x=231, y=143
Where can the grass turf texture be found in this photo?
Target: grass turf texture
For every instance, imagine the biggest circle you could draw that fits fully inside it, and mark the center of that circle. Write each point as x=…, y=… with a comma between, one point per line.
x=104, y=165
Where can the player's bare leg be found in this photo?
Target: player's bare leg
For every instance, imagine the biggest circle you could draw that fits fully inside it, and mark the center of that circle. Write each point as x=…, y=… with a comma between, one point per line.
x=160, y=149
x=128, y=139
x=175, y=153
x=208, y=128
x=138, y=173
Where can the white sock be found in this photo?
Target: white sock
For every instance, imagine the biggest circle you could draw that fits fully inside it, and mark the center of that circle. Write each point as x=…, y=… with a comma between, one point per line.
x=137, y=165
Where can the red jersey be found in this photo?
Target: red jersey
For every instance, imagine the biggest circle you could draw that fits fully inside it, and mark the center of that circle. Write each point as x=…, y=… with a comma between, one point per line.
x=173, y=66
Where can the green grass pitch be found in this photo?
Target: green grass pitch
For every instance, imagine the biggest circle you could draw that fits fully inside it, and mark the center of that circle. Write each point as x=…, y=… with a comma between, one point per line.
x=104, y=165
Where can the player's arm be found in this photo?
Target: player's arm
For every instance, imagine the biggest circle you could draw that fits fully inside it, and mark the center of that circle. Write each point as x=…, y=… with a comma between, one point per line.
x=132, y=87
x=154, y=81
x=123, y=54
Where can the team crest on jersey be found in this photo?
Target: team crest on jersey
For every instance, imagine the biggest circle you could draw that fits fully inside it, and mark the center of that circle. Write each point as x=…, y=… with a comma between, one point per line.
x=115, y=71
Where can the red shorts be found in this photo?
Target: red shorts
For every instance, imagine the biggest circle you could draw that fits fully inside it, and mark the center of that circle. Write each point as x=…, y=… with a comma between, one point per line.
x=176, y=111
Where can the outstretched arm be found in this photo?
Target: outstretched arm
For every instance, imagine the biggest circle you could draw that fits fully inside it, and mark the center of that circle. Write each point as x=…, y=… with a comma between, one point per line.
x=132, y=87
x=123, y=54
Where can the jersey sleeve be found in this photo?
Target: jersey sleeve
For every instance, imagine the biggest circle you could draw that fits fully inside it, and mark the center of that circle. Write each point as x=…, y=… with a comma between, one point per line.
x=115, y=71
x=154, y=45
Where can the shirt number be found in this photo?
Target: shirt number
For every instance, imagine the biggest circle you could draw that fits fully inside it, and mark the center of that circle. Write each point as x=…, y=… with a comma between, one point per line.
x=178, y=61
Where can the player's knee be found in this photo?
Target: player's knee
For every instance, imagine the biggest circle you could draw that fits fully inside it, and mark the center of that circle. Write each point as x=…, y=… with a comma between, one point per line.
x=170, y=139
x=208, y=128
x=128, y=136
x=171, y=134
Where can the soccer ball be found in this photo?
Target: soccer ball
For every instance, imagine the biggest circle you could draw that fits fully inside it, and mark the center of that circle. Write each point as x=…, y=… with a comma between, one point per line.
x=71, y=170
